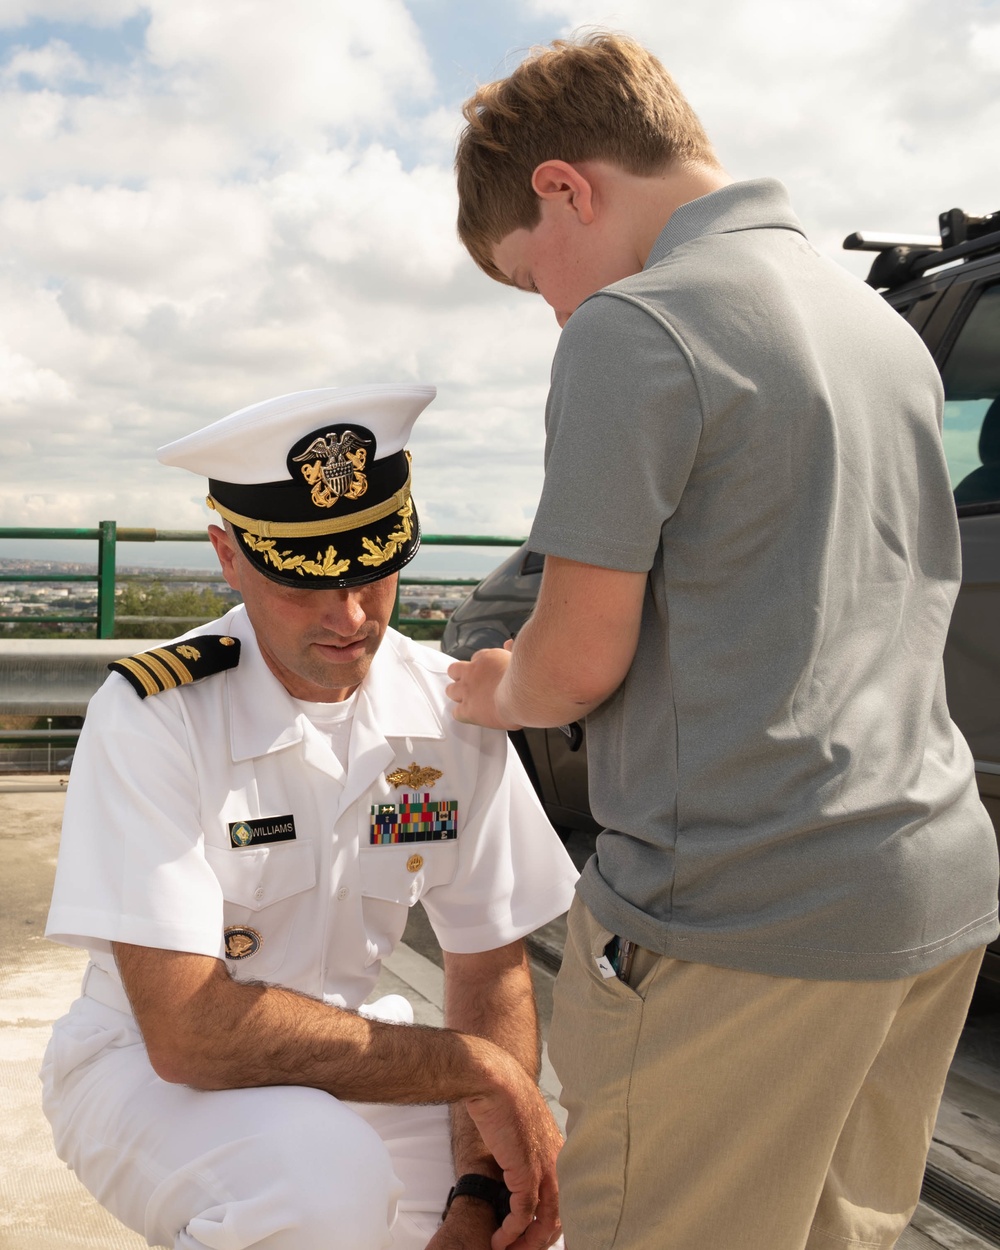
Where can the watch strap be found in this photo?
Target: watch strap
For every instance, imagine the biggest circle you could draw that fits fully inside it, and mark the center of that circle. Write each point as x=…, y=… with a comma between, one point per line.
x=474, y=1185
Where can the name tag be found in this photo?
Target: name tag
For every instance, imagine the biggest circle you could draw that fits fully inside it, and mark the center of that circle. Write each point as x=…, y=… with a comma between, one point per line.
x=244, y=833
x=414, y=820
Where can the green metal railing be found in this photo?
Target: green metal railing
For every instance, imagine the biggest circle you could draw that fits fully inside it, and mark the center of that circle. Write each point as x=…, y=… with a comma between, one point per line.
x=108, y=534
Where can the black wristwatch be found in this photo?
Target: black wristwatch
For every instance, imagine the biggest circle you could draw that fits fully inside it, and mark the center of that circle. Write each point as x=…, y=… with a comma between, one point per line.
x=472, y=1185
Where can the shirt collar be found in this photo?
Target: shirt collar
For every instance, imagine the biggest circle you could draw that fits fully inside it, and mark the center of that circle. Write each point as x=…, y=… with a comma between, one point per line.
x=761, y=204
x=263, y=717
x=397, y=693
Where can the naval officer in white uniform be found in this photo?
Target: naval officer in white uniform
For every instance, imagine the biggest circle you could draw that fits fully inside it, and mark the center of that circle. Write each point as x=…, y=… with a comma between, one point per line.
x=252, y=811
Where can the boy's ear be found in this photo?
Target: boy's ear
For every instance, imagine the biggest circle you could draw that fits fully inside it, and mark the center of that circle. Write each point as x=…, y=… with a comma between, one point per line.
x=559, y=181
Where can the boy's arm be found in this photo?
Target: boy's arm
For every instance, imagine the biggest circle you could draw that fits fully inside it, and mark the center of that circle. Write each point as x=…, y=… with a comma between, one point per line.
x=573, y=652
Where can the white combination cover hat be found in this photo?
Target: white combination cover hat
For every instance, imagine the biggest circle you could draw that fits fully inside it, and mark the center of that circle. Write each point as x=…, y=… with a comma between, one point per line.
x=315, y=484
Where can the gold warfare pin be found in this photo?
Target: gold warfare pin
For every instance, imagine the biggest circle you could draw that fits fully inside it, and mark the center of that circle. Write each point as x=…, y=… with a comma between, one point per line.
x=415, y=776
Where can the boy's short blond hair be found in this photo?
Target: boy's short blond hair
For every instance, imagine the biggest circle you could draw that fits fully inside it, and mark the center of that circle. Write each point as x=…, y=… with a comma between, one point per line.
x=603, y=97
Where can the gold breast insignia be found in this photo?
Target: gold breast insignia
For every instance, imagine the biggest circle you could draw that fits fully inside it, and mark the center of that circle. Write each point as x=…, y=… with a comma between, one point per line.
x=415, y=776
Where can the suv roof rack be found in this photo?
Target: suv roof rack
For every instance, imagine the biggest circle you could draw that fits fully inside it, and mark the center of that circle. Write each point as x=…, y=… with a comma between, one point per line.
x=904, y=257
x=875, y=241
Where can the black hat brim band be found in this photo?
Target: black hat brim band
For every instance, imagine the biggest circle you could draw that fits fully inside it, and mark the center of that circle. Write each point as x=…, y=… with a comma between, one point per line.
x=354, y=558
x=330, y=542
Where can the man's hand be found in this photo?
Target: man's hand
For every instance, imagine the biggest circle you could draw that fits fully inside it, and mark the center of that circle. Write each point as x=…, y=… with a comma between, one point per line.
x=474, y=688
x=470, y=1225
x=525, y=1141
x=509, y=1128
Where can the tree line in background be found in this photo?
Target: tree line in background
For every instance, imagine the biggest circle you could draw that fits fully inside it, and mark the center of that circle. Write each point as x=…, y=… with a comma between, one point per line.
x=155, y=602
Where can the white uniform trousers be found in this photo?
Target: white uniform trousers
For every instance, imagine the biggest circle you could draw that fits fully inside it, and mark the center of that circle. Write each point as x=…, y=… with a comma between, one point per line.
x=279, y=1168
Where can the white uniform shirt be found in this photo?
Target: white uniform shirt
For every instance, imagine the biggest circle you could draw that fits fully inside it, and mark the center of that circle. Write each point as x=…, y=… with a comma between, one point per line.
x=147, y=855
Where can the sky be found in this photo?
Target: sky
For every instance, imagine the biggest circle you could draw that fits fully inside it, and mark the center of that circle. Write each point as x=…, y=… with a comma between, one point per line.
x=205, y=205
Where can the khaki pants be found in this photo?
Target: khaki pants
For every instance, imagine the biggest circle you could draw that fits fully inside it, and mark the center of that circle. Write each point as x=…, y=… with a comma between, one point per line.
x=711, y=1109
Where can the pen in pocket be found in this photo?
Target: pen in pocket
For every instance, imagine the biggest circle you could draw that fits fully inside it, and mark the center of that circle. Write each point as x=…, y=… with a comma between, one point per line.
x=620, y=952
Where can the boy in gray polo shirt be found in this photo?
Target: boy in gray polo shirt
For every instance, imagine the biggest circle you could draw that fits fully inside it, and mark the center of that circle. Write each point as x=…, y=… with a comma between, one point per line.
x=752, y=560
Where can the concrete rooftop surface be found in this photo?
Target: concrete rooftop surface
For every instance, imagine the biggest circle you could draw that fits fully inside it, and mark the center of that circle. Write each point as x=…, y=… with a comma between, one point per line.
x=43, y=1206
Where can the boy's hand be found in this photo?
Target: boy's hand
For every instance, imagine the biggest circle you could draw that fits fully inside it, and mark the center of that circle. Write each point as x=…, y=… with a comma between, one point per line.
x=475, y=686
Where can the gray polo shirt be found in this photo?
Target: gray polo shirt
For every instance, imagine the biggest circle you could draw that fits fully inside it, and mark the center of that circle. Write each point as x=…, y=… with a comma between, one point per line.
x=783, y=787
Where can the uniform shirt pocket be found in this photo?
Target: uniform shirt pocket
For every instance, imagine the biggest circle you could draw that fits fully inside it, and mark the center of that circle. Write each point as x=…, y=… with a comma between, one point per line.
x=264, y=888
x=402, y=872
x=261, y=876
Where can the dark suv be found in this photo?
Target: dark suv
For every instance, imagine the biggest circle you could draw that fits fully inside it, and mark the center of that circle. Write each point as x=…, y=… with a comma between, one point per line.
x=948, y=289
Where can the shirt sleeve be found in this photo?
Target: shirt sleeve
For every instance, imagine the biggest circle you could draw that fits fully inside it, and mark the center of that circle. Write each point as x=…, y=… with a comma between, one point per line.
x=623, y=424
x=513, y=873
x=131, y=864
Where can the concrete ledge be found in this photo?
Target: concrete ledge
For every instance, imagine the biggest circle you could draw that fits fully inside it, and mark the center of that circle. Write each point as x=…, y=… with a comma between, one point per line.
x=56, y=677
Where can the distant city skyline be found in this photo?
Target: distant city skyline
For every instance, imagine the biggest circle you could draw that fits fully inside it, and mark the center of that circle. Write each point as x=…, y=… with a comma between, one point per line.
x=205, y=205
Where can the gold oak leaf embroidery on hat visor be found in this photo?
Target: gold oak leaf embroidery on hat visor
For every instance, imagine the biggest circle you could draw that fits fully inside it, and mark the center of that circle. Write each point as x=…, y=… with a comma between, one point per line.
x=323, y=566
x=378, y=553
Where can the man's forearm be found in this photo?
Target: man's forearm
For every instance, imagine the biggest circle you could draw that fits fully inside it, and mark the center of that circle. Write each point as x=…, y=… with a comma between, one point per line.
x=490, y=995
x=506, y=1015
x=201, y=1040
x=204, y=1029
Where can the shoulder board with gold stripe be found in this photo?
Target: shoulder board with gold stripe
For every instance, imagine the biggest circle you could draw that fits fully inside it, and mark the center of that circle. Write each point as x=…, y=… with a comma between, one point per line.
x=179, y=663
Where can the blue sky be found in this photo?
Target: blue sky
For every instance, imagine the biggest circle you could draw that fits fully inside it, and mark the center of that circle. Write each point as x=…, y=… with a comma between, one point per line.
x=205, y=205
x=118, y=42
x=466, y=43
x=469, y=44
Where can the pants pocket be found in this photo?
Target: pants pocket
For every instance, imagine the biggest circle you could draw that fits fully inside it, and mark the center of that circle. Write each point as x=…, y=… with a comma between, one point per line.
x=592, y=1044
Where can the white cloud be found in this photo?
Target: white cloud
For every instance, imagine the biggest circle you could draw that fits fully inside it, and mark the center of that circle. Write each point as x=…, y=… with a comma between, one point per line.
x=25, y=383
x=260, y=199
x=160, y=295
x=219, y=89
x=54, y=65
x=170, y=238
x=369, y=211
x=271, y=68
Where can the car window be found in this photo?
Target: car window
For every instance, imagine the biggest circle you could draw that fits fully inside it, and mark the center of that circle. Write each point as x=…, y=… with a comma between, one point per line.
x=916, y=311
x=971, y=377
